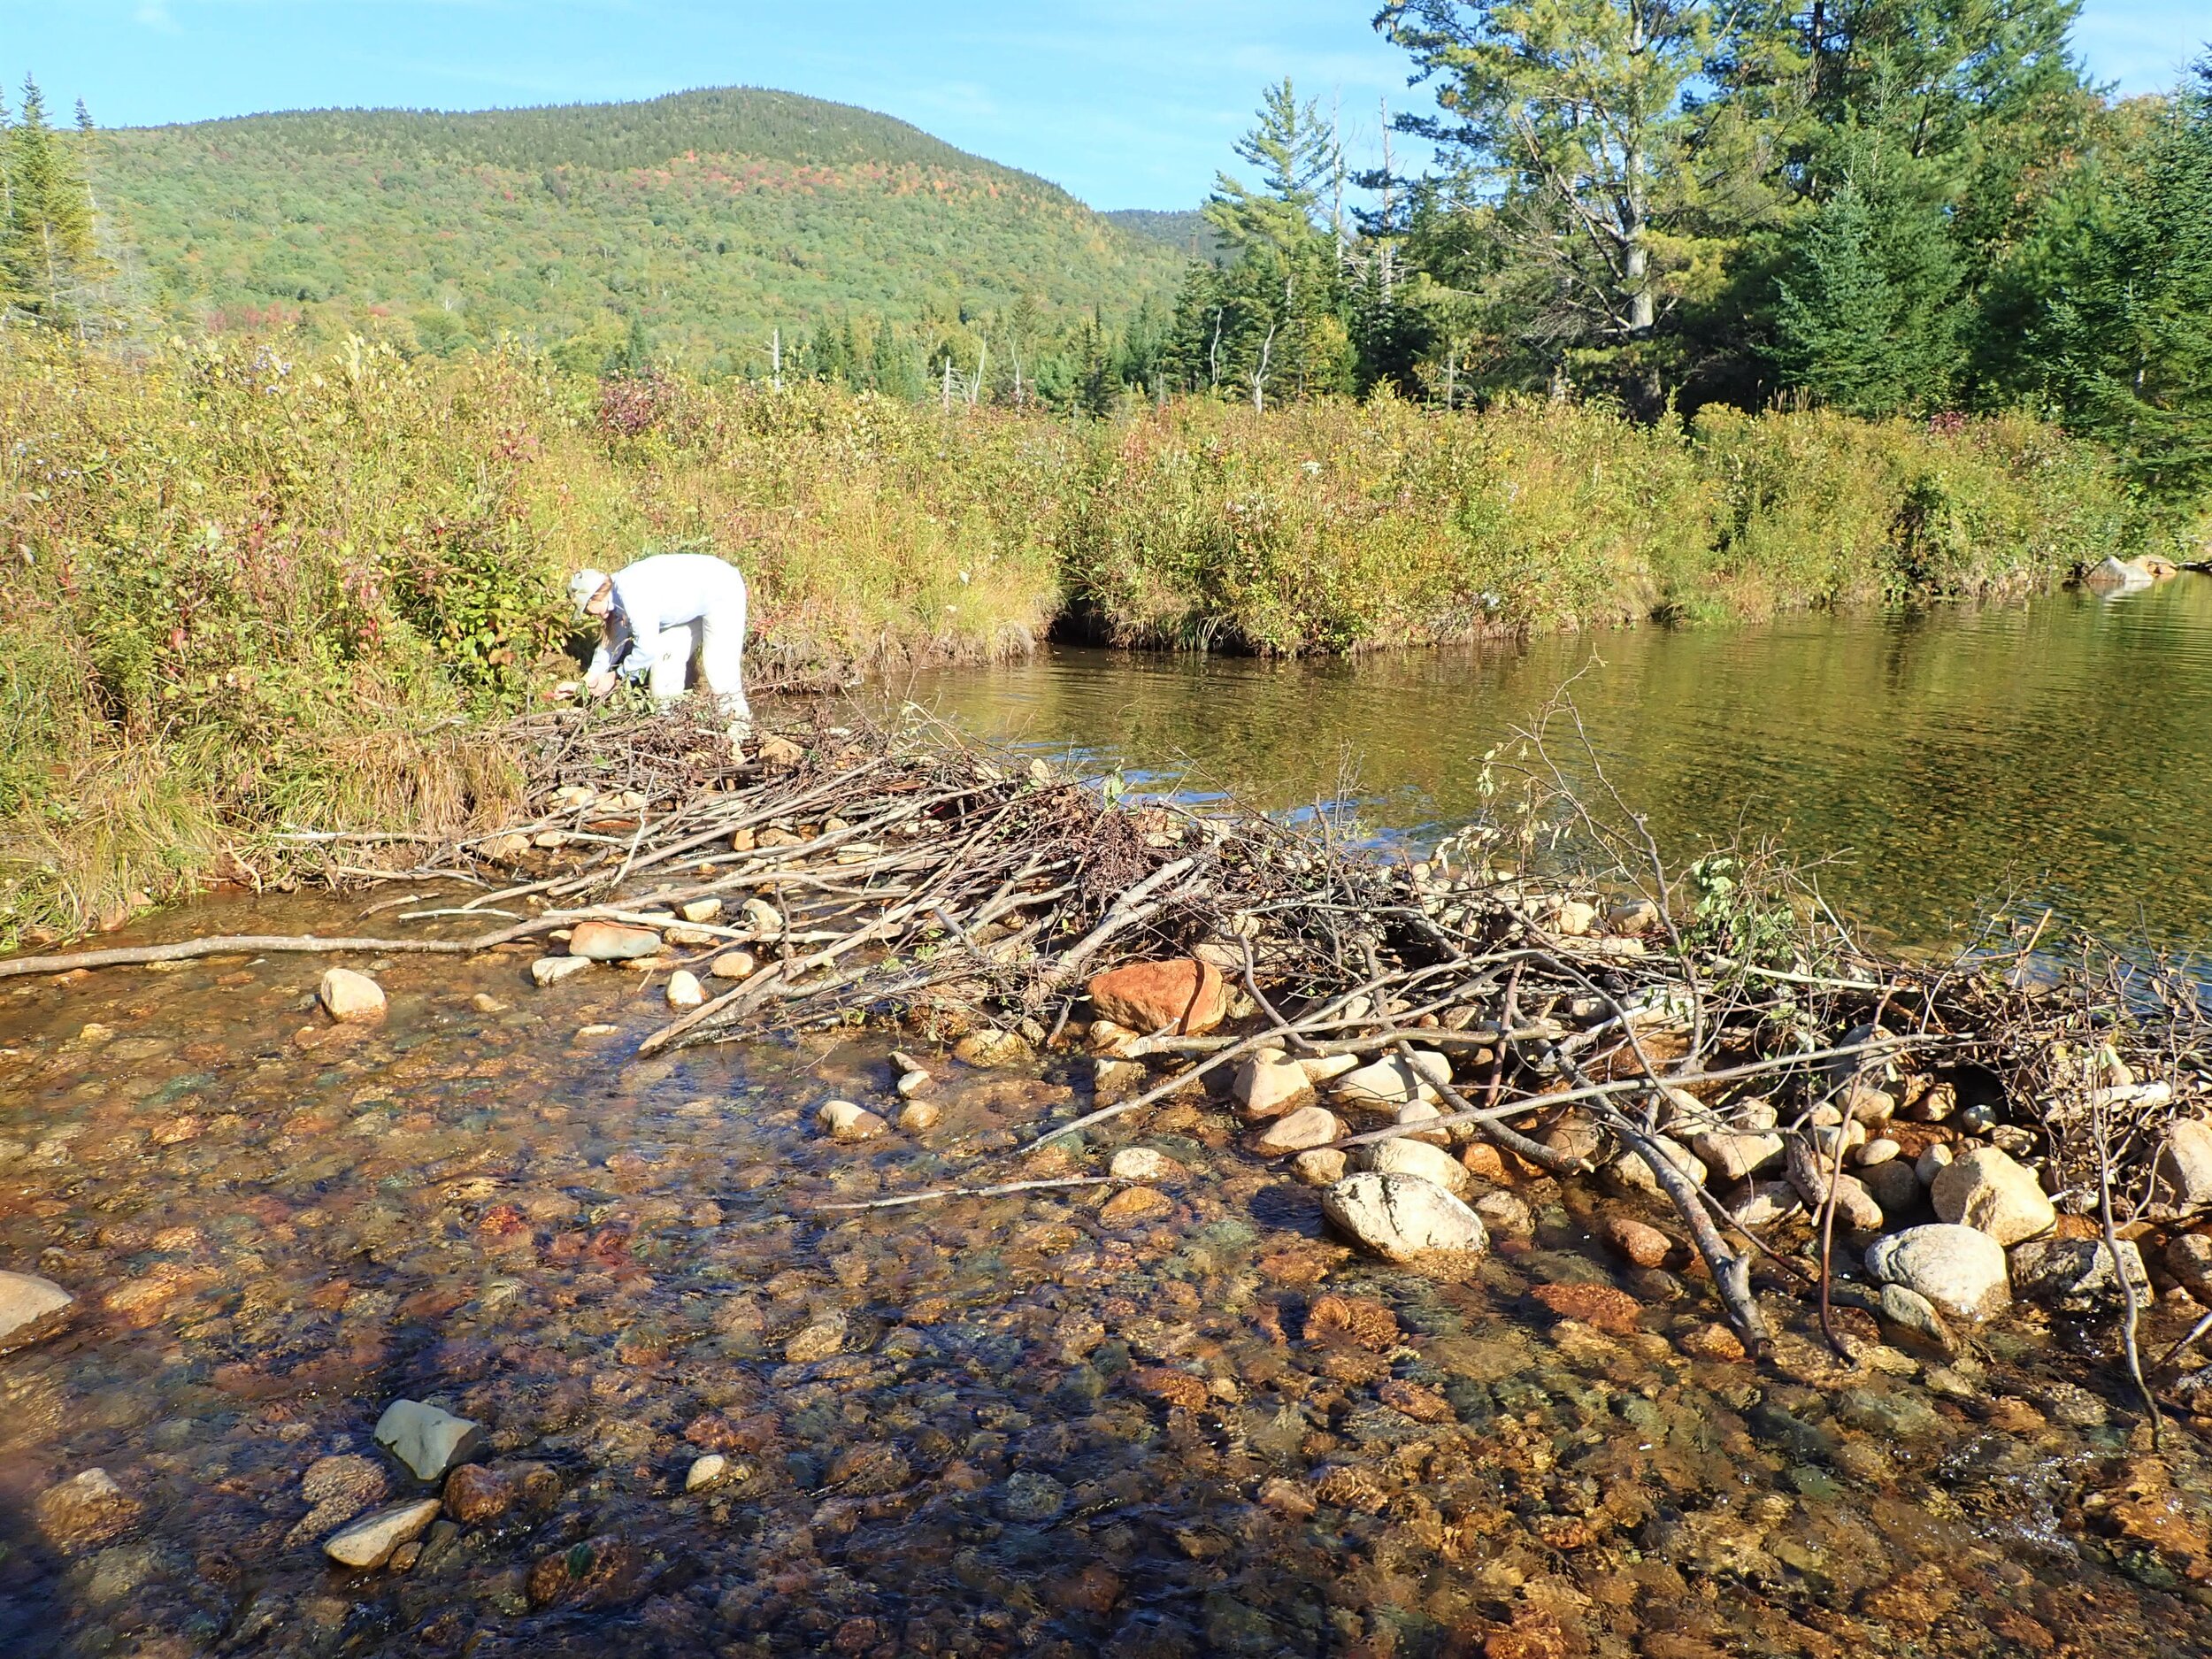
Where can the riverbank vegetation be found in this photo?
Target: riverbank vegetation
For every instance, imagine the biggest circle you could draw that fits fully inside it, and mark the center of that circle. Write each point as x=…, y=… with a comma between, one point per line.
x=243, y=590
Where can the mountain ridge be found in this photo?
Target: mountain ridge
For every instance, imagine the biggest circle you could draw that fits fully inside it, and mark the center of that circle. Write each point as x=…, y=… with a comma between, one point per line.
x=707, y=219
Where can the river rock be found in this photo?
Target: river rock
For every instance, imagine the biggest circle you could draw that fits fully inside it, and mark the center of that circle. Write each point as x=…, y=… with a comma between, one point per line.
x=821, y=1338
x=2189, y=1259
x=2185, y=1164
x=1809, y=1171
x=735, y=965
x=1503, y=1212
x=1632, y=918
x=918, y=1116
x=1324, y=1166
x=1732, y=1156
x=1112, y=1079
x=1573, y=918
x=991, y=1048
x=706, y=1471
x=1404, y=1219
x=912, y=1082
x=1302, y=1130
x=1394, y=1081
x=1986, y=1189
x=1893, y=1185
x=2076, y=1274
x=684, y=990
x=1031, y=1498
x=1933, y=1160
x=1879, y=1150
x=1133, y=1204
x=552, y=970
x=26, y=1298
x=1407, y=1156
x=1144, y=1163
x=428, y=1441
x=1631, y=1170
x=350, y=998
x=372, y=1540
x=1764, y=1205
x=700, y=909
x=764, y=919
x=1185, y=995
x=612, y=941
x=1960, y=1269
x=84, y=1511
x=1906, y=1309
x=474, y=1494
x=1639, y=1241
x=843, y=1120
x=1270, y=1084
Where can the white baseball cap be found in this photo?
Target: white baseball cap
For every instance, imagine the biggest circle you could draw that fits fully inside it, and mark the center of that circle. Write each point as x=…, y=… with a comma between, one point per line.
x=584, y=584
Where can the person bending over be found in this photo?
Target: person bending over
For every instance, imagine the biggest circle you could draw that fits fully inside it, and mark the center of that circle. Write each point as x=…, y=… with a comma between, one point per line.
x=659, y=616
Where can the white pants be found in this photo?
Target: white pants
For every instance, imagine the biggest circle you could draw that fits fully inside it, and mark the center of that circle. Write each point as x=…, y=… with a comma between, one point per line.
x=717, y=643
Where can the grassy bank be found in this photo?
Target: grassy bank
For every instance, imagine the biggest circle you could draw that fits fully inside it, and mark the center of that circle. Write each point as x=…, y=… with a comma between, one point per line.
x=241, y=592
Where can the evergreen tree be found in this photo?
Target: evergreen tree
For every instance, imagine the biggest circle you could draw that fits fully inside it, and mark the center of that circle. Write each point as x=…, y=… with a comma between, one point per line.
x=2123, y=341
x=1866, y=316
x=47, y=253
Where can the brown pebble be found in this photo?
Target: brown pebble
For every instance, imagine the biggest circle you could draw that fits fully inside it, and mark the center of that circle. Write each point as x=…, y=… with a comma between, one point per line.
x=1484, y=1163
x=1423, y=1405
x=475, y=1494
x=1352, y=1322
x=1133, y=1204
x=1598, y=1305
x=1710, y=1341
x=1177, y=1388
x=1640, y=1242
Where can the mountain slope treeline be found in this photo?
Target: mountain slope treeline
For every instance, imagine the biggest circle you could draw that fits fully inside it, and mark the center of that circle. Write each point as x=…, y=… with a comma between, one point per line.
x=698, y=226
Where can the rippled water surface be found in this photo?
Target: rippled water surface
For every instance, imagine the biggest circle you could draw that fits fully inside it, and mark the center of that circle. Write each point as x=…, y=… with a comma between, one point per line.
x=990, y=1427
x=2057, y=753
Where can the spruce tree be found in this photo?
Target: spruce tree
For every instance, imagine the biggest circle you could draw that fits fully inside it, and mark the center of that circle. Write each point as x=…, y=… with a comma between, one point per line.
x=47, y=253
x=1836, y=315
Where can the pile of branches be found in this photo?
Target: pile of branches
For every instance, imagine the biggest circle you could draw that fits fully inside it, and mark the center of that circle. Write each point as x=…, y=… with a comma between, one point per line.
x=891, y=871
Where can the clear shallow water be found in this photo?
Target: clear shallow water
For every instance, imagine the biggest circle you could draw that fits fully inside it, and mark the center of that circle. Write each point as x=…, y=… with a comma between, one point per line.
x=985, y=1427
x=2056, y=753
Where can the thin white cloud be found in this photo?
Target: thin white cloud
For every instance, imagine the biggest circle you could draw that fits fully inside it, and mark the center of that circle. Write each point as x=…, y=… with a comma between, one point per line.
x=154, y=14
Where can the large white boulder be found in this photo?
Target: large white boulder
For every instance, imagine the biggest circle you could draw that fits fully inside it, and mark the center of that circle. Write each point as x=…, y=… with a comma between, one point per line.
x=1404, y=1219
x=1960, y=1269
x=427, y=1439
x=1392, y=1082
x=1408, y=1156
x=350, y=998
x=1986, y=1189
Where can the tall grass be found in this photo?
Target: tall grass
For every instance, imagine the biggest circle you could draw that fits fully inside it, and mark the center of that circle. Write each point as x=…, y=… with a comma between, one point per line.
x=239, y=592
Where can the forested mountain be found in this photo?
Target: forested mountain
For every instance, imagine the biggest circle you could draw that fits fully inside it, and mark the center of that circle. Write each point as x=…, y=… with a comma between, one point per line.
x=1183, y=229
x=687, y=226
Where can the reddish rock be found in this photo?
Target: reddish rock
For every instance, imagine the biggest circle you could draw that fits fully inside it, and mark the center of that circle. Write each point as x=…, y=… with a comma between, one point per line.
x=475, y=1494
x=1423, y=1405
x=1352, y=1321
x=1598, y=1305
x=1177, y=1388
x=1134, y=1204
x=1484, y=1163
x=84, y=1511
x=1641, y=1243
x=597, y=1572
x=1187, y=996
x=1714, y=1341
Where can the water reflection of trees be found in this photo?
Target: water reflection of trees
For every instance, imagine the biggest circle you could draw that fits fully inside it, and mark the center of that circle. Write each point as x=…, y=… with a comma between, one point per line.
x=1955, y=755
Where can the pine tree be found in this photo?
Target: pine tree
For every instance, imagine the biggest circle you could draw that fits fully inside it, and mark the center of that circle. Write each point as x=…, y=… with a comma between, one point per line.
x=47, y=251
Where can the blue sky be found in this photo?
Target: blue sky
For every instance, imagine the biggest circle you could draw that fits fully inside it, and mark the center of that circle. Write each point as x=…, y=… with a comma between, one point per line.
x=1128, y=105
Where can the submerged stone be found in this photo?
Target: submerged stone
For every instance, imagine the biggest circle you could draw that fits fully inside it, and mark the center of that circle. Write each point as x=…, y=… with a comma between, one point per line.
x=1404, y=1219
x=26, y=1298
x=427, y=1439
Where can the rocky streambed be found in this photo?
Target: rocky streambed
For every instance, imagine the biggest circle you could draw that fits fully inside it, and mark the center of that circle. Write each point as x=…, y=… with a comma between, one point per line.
x=700, y=1412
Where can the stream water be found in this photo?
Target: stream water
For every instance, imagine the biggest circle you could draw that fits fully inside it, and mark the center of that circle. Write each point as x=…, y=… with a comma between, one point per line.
x=2054, y=754
x=1026, y=1424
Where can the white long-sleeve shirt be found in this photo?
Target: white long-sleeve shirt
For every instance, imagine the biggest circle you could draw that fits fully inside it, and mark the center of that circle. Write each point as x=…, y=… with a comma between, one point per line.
x=654, y=594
